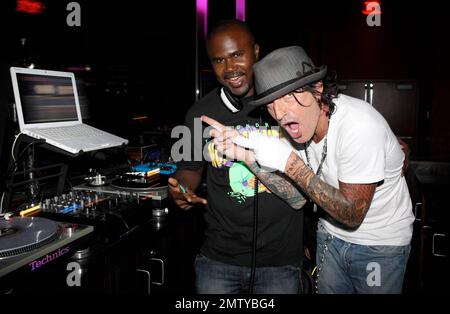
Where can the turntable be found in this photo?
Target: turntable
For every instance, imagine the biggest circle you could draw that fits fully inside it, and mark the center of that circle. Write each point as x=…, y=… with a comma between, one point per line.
x=36, y=241
x=129, y=184
x=21, y=234
x=140, y=183
x=114, y=206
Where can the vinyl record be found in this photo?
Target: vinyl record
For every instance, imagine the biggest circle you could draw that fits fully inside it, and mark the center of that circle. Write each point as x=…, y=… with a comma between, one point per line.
x=138, y=183
x=23, y=234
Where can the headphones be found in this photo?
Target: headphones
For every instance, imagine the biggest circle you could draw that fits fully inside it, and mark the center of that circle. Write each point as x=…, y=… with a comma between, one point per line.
x=232, y=102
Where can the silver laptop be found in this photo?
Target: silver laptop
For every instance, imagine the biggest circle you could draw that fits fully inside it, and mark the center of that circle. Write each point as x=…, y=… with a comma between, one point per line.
x=48, y=108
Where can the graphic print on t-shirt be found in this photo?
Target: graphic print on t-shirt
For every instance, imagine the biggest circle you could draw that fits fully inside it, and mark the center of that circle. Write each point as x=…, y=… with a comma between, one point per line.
x=242, y=180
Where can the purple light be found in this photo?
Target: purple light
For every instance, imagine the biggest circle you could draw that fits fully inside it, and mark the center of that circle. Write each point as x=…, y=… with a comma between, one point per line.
x=202, y=16
x=240, y=10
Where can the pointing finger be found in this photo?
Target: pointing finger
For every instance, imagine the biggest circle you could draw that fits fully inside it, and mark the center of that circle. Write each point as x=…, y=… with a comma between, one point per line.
x=215, y=124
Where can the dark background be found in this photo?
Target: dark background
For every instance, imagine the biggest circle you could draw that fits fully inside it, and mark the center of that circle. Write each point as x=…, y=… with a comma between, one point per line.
x=138, y=59
x=141, y=55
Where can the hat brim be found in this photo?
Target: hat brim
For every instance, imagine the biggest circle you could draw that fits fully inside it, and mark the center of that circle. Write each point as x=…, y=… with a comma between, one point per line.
x=282, y=89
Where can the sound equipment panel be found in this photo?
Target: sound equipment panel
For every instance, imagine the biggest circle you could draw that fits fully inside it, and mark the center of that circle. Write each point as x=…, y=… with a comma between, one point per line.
x=114, y=228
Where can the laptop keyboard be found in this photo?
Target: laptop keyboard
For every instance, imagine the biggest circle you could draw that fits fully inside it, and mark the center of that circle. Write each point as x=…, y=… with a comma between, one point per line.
x=71, y=132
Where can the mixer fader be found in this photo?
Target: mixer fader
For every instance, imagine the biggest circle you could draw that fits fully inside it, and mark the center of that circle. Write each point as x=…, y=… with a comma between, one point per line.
x=77, y=203
x=112, y=215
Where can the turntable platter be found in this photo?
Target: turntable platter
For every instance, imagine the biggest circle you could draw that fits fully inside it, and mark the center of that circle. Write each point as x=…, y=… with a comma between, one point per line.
x=143, y=184
x=23, y=234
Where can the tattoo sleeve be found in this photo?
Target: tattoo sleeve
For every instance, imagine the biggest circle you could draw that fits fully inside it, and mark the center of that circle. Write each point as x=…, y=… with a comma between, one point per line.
x=348, y=204
x=279, y=186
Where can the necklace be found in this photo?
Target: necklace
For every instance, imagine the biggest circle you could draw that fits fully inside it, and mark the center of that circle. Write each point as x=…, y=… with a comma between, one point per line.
x=324, y=155
x=319, y=169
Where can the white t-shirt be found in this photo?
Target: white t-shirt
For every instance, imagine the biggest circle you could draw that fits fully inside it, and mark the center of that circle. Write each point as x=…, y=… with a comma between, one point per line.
x=361, y=148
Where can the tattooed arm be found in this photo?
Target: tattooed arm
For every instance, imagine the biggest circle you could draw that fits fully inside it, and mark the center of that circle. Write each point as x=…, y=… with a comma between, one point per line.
x=279, y=186
x=348, y=204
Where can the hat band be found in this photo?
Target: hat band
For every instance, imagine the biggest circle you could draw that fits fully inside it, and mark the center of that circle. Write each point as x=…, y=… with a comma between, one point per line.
x=277, y=87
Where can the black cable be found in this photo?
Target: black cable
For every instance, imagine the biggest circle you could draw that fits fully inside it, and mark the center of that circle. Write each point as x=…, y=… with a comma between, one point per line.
x=12, y=168
x=255, y=231
x=254, y=238
x=29, y=145
x=19, y=156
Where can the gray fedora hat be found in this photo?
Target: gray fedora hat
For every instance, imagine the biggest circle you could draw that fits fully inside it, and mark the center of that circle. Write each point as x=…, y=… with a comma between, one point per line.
x=283, y=71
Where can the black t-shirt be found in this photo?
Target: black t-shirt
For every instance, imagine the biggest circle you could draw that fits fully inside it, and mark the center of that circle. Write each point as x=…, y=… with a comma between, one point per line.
x=230, y=185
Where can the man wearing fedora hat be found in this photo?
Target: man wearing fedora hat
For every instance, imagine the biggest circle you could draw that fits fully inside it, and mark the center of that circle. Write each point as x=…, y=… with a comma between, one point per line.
x=346, y=160
x=229, y=254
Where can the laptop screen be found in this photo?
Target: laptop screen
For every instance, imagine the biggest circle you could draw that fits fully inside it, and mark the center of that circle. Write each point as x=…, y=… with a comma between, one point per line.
x=46, y=98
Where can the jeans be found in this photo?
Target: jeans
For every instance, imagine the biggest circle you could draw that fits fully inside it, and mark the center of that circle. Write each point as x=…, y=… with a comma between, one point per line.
x=345, y=268
x=213, y=277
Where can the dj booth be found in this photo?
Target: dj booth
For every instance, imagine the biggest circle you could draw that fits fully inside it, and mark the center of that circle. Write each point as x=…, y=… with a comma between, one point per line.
x=99, y=237
x=105, y=232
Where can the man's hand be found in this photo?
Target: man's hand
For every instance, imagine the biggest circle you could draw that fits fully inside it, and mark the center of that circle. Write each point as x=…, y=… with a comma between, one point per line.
x=223, y=141
x=184, y=199
x=407, y=151
x=269, y=152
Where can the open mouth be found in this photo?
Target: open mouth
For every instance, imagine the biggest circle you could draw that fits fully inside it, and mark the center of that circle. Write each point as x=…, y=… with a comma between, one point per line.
x=293, y=128
x=235, y=81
